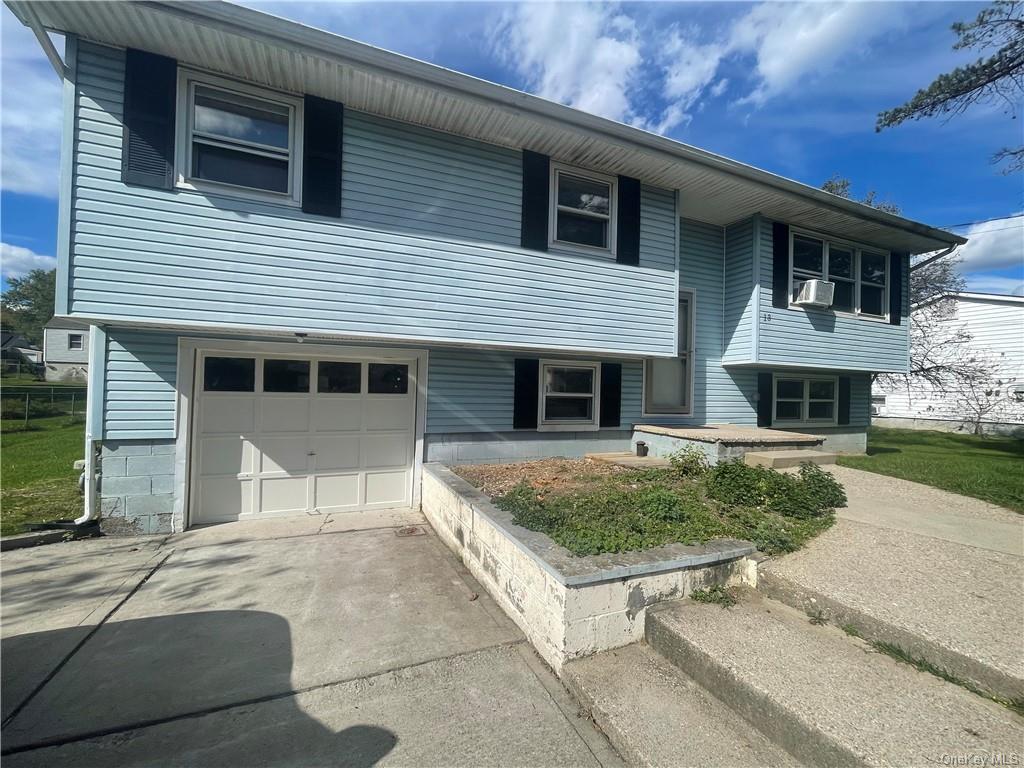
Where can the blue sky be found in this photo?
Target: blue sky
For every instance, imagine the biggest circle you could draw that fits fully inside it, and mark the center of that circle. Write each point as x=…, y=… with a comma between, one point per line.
x=791, y=88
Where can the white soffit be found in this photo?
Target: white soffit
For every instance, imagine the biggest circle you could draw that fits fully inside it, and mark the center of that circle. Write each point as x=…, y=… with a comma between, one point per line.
x=289, y=56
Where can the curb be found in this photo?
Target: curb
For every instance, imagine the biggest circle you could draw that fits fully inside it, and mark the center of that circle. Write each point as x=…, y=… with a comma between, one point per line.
x=32, y=539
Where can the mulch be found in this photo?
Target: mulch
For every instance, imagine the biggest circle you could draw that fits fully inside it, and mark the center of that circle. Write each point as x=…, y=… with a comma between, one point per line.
x=543, y=475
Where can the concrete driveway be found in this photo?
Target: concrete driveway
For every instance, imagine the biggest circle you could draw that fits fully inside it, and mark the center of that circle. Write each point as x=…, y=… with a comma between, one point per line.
x=313, y=641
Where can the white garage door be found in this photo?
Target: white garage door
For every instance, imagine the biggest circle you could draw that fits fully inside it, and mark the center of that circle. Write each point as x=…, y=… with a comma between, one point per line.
x=278, y=435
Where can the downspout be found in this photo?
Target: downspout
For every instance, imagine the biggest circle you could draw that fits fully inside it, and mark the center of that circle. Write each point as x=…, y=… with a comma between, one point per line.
x=936, y=257
x=93, y=423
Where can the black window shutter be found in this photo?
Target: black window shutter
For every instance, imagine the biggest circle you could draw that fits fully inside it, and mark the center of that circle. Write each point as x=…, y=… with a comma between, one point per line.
x=611, y=394
x=764, y=400
x=843, y=406
x=150, y=94
x=323, y=122
x=536, y=199
x=525, y=394
x=780, y=266
x=897, y=262
x=627, y=239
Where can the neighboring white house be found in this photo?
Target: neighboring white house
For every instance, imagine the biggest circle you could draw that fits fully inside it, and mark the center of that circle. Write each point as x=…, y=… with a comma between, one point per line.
x=995, y=324
x=66, y=350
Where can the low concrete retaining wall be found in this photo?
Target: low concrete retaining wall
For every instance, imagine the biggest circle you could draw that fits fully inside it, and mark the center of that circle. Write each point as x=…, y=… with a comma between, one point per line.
x=569, y=606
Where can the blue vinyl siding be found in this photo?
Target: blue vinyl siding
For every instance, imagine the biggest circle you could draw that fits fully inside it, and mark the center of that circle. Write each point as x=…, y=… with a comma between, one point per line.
x=657, y=228
x=823, y=339
x=139, y=384
x=427, y=251
x=740, y=281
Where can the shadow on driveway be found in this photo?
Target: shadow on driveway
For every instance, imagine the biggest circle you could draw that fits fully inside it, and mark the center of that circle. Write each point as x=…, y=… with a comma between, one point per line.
x=146, y=675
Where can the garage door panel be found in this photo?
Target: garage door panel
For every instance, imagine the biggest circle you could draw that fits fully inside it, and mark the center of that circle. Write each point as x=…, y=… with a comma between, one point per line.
x=284, y=414
x=334, y=413
x=283, y=494
x=383, y=451
x=387, y=413
x=288, y=453
x=335, y=452
x=226, y=456
x=224, y=498
x=231, y=415
x=387, y=488
x=336, y=492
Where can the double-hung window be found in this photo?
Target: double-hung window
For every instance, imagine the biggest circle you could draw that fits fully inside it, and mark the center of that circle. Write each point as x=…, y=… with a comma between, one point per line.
x=807, y=400
x=234, y=136
x=860, y=275
x=75, y=341
x=569, y=395
x=583, y=209
x=668, y=383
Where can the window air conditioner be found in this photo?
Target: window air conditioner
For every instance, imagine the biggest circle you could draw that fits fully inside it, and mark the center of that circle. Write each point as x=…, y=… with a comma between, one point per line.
x=815, y=293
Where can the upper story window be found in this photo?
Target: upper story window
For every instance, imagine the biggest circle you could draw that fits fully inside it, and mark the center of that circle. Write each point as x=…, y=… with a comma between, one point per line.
x=860, y=275
x=583, y=209
x=76, y=341
x=237, y=137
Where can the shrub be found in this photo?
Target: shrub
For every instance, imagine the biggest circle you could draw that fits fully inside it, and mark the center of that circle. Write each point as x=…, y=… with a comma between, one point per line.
x=689, y=462
x=717, y=594
x=811, y=493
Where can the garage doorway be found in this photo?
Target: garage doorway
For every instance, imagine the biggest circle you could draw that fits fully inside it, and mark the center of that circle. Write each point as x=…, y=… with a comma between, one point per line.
x=282, y=433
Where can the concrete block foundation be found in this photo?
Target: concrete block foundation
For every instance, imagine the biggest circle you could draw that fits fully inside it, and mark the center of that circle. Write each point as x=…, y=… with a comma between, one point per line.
x=136, y=486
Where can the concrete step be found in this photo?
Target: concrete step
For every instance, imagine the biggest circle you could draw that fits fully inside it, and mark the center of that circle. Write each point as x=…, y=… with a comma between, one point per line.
x=823, y=696
x=787, y=458
x=630, y=460
x=655, y=715
x=874, y=620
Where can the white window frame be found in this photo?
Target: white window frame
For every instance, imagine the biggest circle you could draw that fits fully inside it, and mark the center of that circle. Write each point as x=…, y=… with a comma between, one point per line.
x=805, y=420
x=612, y=218
x=857, y=248
x=81, y=342
x=685, y=348
x=188, y=79
x=568, y=425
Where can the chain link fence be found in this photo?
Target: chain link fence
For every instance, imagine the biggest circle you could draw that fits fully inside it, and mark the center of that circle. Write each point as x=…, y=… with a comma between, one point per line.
x=25, y=404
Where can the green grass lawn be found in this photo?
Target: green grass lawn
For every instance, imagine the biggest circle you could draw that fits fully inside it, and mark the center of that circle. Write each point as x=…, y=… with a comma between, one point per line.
x=38, y=477
x=987, y=468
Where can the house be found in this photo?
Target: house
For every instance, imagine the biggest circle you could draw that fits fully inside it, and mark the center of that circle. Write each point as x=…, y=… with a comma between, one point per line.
x=18, y=352
x=993, y=325
x=312, y=265
x=66, y=350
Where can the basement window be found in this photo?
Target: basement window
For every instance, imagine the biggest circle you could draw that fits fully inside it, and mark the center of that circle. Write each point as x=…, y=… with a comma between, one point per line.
x=804, y=400
x=569, y=395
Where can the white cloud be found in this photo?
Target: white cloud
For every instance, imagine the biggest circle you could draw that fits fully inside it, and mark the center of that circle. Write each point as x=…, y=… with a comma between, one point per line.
x=792, y=42
x=584, y=55
x=993, y=245
x=592, y=56
x=1005, y=286
x=16, y=261
x=30, y=113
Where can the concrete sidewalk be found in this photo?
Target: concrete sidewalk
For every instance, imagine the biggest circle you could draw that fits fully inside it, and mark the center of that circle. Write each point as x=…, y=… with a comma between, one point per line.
x=274, y=644
x=888, y=502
